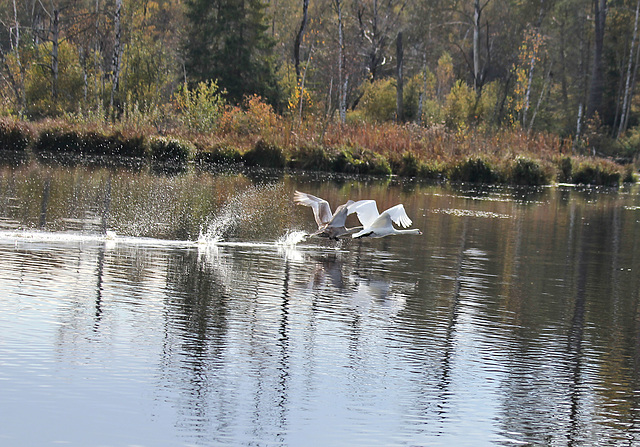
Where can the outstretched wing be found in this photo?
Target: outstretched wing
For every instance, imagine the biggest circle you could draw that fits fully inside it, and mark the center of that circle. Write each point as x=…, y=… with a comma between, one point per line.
x=366, y=210
x=398, y=215
x=320, y=207
x=339, y=218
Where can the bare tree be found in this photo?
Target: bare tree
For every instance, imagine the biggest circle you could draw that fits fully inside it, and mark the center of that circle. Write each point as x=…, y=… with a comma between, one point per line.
x=477, y=72
x=298, y=41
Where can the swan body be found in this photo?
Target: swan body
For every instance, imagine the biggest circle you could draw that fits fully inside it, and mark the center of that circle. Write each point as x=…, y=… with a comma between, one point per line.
x=380, y=225
x=331, y=225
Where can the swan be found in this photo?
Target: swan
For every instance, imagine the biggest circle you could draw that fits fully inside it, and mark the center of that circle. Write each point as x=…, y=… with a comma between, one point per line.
x=380, y=225
x=329, y=225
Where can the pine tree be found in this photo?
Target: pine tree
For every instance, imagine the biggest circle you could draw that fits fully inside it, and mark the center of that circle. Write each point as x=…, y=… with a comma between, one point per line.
x=227, y=41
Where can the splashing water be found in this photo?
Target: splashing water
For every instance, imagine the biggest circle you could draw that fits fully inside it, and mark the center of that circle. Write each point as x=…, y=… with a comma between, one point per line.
x=292, y=238
x=253, y=207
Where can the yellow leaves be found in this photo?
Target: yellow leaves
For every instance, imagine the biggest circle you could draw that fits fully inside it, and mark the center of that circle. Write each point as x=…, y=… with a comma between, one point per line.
x=293, y=103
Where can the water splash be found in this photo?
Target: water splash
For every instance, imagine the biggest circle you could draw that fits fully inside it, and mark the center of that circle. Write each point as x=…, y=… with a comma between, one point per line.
x=292, y=238
x=248, y=211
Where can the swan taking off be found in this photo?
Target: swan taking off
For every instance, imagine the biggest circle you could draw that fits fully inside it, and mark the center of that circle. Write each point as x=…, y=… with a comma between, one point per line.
x=329, y=225
x=381, y=225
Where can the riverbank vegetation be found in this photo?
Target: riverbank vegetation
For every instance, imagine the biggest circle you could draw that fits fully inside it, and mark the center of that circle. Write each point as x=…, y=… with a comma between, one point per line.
x=495, y=91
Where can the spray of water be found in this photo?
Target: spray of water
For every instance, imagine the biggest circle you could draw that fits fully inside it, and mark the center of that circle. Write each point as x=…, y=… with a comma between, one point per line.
x=248, y=211
x=292, y=238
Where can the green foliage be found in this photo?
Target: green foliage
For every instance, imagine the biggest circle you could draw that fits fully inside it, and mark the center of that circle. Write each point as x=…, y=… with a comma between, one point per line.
x=597, y=172
x=525, y=171
x=44, y=95
x=219, y=154
x=312, y=158
x=14, y=135
x=265, y=155
x=630, y=143
x=170, y=151
x=147, y=71
x=460, y=106
x=200, y=108
x=474, y=170
x=228, y=41
x=408, y=165
x=378, y=101
x=361, y=161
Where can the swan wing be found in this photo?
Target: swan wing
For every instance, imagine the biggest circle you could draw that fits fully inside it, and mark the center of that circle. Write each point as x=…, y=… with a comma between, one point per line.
x=366, y=210
x=320, y=207
x=399, y=216
x=339, y=218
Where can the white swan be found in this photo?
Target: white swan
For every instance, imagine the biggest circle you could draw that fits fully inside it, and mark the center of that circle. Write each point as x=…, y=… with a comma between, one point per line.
x=381, y=225
x=329, y=225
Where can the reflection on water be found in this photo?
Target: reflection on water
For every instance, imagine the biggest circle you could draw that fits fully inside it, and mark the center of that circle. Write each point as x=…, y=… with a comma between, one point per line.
x=138, y=309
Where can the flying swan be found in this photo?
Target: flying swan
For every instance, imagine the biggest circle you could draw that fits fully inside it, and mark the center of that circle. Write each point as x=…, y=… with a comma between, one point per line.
x=331, y=225
x=381, y=225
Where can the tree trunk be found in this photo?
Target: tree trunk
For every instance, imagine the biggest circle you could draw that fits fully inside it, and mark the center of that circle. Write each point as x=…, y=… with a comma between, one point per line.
x=399, y=80
x=342, y=78
x=596, y=90
x=627, y=85
x=477, y=12
x=298, y=41
x=55, y=44
x=117, y=52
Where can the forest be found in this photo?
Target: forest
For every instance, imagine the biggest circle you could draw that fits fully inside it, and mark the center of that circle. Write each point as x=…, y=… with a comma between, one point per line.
x=424, y=83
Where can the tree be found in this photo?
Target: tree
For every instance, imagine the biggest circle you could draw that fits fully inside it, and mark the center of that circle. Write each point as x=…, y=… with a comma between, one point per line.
x=227, y=41
x=596, y=89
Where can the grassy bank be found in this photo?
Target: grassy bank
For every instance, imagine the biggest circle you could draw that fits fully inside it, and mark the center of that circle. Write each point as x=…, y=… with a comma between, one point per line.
x=508, y=156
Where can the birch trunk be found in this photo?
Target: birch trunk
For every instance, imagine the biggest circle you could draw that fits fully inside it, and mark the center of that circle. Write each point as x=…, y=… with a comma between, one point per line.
x=399, y=80
x=477, y=12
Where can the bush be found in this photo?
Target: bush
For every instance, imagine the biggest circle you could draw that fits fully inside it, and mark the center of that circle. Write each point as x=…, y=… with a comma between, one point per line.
x=361, y=161
x=265, y=155
x=407, y=166
x=169, y=151
x=255, y=118
x=597, y=172
x=460, y=105
x=528, y=172
x=313, y=158
x=200, y=108
x=378, y=101
x=14, y=136
x=59, y=140
x=473, y=170
x=566, y=170
x=219, y=154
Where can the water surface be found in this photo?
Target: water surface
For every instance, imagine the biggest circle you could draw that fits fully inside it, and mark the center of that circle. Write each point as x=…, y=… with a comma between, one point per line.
x=145, y=309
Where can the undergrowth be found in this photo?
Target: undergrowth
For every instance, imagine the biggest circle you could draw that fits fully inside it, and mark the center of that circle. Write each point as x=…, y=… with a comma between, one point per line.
x=507, y=156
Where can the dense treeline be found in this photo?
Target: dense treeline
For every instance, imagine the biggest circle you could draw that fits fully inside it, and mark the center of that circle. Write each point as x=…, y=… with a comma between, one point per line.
x=563, y=67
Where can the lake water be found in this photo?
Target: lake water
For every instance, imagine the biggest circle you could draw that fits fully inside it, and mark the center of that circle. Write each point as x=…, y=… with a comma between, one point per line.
x=140, y=309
